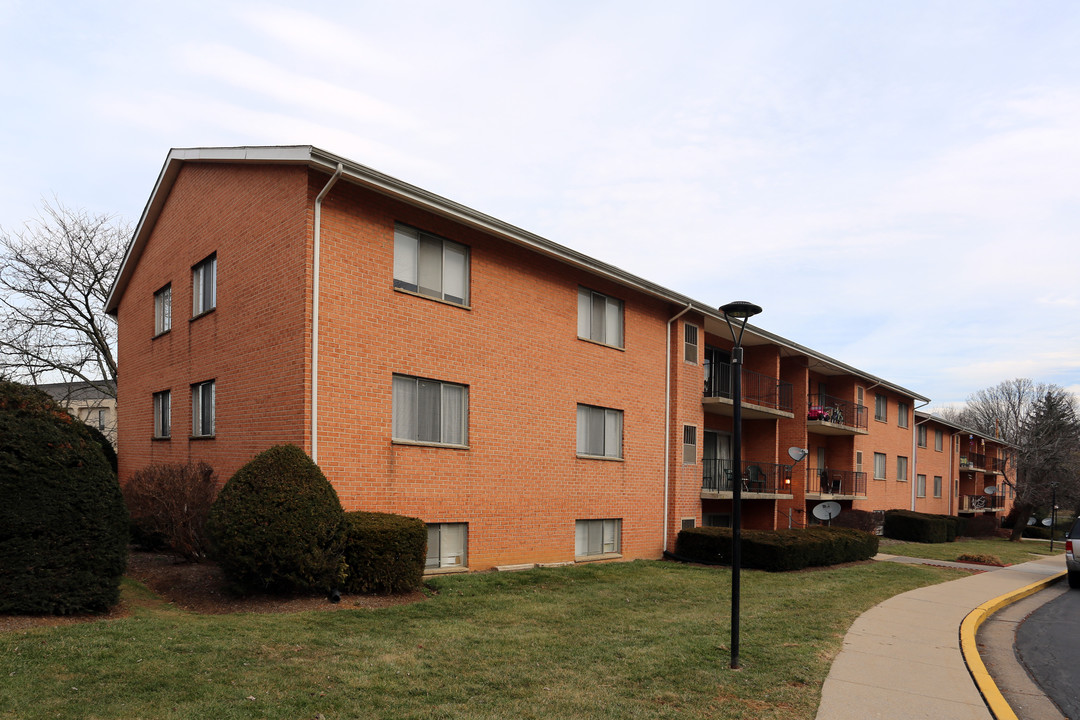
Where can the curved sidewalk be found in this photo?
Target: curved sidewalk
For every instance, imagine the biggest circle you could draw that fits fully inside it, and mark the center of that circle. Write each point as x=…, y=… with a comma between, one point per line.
x=902, y=659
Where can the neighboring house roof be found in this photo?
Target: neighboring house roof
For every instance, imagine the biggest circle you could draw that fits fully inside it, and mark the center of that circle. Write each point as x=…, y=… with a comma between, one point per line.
x=357, y=174
x=79, y=391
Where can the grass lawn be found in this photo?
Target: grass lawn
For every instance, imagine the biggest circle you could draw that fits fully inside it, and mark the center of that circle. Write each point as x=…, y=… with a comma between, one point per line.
x=614, y=640
x=1008, y=552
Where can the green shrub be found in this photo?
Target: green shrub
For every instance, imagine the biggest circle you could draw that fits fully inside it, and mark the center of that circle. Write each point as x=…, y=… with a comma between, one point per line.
x=864, y=520
x=778, y=550
x=1037, y=532
x=106, y=447
x=913, y=526
x=63, y=525
x=981, y=526
x=277, y=526
x=385, y=553
x=169, y=504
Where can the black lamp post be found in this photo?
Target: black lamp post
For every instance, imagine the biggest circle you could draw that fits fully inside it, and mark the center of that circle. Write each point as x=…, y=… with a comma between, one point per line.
x=1053, y=513
x=740, y=311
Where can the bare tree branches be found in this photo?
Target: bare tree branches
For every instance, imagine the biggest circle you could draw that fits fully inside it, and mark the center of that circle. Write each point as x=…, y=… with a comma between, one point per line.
x=54, y=281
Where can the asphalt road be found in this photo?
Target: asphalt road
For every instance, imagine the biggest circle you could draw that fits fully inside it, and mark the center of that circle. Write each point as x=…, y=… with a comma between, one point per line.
x=1048, y=643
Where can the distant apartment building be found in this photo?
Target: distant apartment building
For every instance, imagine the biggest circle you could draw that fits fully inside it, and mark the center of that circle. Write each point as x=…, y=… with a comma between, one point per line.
x=93, y=403
x=529, y=403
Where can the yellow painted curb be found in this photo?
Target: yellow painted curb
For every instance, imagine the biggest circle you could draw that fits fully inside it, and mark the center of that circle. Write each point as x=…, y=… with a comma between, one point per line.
x=989, y=689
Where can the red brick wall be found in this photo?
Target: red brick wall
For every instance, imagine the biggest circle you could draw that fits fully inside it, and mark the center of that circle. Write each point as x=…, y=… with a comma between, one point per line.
x=889, y=438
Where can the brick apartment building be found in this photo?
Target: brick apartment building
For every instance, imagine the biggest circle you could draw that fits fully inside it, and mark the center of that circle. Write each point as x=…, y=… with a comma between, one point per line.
x=531, y=404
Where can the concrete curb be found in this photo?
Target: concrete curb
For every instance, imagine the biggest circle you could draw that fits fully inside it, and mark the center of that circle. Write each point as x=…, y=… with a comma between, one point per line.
x=995, y=701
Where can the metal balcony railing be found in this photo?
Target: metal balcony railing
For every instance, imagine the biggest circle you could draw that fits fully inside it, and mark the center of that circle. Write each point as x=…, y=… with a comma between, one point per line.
x=835, y=482
x=827, y=408
x=978, y=503
x=973, y=461
x=757, y=388
x=757, y=477
x=997, y=465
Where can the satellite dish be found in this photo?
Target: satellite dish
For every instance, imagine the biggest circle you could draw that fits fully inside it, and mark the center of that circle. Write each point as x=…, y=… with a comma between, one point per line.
x=1031, y=521
x=1047, y=522
x=990, y=490
x=797, y=453
x=826, y=510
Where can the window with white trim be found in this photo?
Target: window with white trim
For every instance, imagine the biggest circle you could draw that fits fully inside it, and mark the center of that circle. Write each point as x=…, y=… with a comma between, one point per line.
x=937, y=486
x=599, y=431
x=430, y=411
x=881, y=407
x=901, y=468
x=858, y=461
x=163, y=310
x=879, y=466
x=689, y=446
x=447, y=545
x=902, y=414
x=921, y=431
x=920, y=485
x=162, y=414
x=690, y=343
x=938, y=443
x=202, y=409
x=430, y=265
x=204, y=286
x=598, y=537
x=600, y=318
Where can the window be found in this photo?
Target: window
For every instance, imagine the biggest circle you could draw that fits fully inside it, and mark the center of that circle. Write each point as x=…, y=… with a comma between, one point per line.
x=921, y=431
x=599, y=431
x=881, y=408
x=858, y=461
x=716, y=520
x=163, y=310
x=162, y=414
x=859, y=395
x=938, y=440
x=901, y=468
x=920, y=485
x=599, y=318
x=95, y=417
x=689, y=444
x=202, y=409
x=430, y=411
x=690, y=343
x=902, y=414
x=688, y=523
x=597, y=537
x=446, y=545
x=430, y=265
x=879, y=466
x=204, y=286
x=937, y=486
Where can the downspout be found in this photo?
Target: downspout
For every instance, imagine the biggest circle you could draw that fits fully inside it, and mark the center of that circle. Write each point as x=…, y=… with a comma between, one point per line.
x=667, y=421
x=915, y=454
x=315, y=315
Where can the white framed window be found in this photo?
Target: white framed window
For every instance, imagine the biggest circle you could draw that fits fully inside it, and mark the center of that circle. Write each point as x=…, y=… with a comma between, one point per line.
x=204, y=286
x=859, y=395
x=879, y=466
x=920, y=485
x=901, y=468
x=598, y=537
x=937, y=486
x=938, y=443
x=430, y=265
x=430, y=411
x=689, y=446
x=202, y=409
x=921, y=432
x=163, y=310
x=688, y=523
x=858, y=461
x=95, y=417
x=881, y=407
x=599, y=431
x=162, y=414
x=902, y=414
x=447, y=545
x=690, y=343
x=600, y=318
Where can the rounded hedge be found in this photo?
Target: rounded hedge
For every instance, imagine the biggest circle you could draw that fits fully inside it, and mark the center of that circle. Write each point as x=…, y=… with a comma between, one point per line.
x=63, y=523
x=277, y=526
x=385, y=552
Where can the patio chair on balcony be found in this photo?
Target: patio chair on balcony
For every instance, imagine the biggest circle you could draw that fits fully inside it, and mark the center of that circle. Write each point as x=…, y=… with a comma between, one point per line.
x=826, y=483
x=754, y=479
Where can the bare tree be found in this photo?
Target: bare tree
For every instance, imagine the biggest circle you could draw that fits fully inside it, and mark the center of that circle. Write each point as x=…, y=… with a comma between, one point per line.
x=54, y=279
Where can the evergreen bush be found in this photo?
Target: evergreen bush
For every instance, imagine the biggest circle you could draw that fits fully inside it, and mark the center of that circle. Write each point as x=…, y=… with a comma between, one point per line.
x=385, y=553
x=778, y=550
x=913, y=526
x=63, y=525
x=277, y=526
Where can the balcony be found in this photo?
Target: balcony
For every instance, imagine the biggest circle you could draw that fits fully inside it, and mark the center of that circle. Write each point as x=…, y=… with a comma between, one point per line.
x=763, y=397
x=759, y=480
x=973, y=462
x=997, y=466
x=827, y=484
x=981, y=503
x=828, y=415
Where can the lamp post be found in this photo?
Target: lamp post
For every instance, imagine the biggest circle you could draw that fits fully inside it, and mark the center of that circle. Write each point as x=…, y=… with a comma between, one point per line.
x=740, y=311
x=1053, y=513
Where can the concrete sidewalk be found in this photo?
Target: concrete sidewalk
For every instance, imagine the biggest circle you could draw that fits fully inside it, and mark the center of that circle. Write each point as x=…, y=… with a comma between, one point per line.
x=901, y=659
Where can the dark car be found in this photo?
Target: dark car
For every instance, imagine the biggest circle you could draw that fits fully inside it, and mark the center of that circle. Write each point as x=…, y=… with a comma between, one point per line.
x=1072, y=556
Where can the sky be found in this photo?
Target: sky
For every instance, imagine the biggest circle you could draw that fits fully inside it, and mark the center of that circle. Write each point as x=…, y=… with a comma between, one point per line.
x=897, y=184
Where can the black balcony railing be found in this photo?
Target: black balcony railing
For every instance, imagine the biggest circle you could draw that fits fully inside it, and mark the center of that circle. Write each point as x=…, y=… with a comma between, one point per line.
x=835, y=482
x=827, y=408
x=757, y=477
x=997, y=465
x=973, y=461
x=977, y=503
x=757, y=388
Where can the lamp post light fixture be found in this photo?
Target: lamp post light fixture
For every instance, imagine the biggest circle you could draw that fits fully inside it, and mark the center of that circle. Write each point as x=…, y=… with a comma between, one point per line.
x=740, y=311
